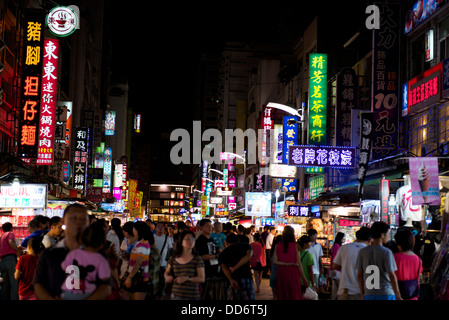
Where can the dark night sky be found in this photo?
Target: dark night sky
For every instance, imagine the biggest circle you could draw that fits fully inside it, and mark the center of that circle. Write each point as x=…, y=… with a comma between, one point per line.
x=157, y=48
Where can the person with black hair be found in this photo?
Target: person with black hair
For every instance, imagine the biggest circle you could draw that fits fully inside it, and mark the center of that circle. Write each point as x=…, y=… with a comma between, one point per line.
x=9, y=251
x=258, y=260
x=290, y=272
x=50, y=276
x=49, y=239
x=88, y=264
x=185, y=269
x=112, y=234
x=33, y=229
x=139, y=261
x=334, y=274
x=345, y=261
x=126, y=247
x=235, y=266
x=26, y=267
x=317, y=251
x=376, y=267
x=409, y=264
x=305, y=242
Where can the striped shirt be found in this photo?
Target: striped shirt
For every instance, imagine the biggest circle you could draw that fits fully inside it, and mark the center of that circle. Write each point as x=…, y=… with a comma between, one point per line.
x=187, y=290
x=141, y=249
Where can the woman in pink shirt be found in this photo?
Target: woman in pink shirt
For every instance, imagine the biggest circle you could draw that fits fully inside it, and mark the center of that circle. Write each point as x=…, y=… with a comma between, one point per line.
x=258, y=261
x=409, y=264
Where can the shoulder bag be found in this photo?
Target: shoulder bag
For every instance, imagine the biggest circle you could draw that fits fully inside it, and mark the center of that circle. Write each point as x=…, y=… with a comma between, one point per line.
x=410, y=288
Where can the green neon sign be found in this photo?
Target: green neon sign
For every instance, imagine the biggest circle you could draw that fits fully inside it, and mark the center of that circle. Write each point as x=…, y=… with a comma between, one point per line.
x=317, y=99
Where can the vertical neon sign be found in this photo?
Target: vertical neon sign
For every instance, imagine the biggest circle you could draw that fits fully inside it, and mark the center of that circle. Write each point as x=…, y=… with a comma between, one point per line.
x=317, y=99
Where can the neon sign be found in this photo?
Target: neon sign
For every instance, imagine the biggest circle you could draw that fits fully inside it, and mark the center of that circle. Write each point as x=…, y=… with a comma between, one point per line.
x=317, y=99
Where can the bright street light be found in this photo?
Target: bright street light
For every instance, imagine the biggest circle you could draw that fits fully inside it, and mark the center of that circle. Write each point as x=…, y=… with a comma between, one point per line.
x=285, y=108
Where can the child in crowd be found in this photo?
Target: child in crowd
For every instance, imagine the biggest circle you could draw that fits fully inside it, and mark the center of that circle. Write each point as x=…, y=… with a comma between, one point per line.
x=25, y=269
x=218, y=236
x=85, y=266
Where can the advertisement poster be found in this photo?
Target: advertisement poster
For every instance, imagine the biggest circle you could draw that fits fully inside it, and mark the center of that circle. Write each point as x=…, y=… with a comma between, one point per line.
x=258, y=204
x=424, y=181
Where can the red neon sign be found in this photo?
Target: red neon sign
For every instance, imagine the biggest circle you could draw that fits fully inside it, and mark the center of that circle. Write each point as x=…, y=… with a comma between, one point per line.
x=48, y=105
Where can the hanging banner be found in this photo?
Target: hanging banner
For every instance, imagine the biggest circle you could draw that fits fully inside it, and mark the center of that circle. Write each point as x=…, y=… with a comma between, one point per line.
x=385, y=81
x=384, y=197
x=80, y=161
x=424, y=181
x=318, y=99
x=346, y=100
x=365, y=148
x=31, y=86
x=290, y=136
x=48, y=103
x=267, y=124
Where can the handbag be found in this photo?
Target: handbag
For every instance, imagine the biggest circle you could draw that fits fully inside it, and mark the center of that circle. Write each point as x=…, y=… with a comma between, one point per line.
x=409, y=288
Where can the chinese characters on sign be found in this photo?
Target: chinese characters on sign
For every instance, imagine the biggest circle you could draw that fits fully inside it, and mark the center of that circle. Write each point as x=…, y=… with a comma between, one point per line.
x=48, y=103
x=29, y=110
x=298, y=211
x=267, y=124
x=365, y=148
x=317, y=99
x=424, y=89
x=346, y=101
x=26, y=196
x=385, y=84
x=290, y=138
x=334, y=157
x=80, y=160
x=316, y=186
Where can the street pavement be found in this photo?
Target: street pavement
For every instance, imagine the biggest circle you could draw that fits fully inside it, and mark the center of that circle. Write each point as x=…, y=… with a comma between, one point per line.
x=265, y=291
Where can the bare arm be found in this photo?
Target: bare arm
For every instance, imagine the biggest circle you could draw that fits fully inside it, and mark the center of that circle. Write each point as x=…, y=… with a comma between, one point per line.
x=394, y=284
x=361, y=285
x=244, y=260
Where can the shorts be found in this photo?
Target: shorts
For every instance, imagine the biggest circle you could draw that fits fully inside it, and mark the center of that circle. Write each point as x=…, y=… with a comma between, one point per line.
x=258, y=267
x=139, y=287
x=379, y=297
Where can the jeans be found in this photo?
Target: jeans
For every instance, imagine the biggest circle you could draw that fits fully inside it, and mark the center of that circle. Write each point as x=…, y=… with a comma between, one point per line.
x=10, y=286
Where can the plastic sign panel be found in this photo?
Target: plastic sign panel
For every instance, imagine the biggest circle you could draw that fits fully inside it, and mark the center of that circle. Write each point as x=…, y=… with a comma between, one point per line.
x=81, y=157
x=31, y=86
x=424, y=89
x=282, y=171
x=267, y=124
x=317, y=99
x=62, y=21
x=29, y=196
x=332, y=157
x=109, y=123
x=420, y=11
x=258, y=204
x=424, y=181
x=48, y=103
x=298, y=211
x=316, y=186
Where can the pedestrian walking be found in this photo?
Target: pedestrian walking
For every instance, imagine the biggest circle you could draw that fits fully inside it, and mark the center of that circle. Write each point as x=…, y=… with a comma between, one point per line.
x=51, y=237
x=334, y=274
x=136, y=282
x=235, y=265
x=25, y=268
x=268, y=245
x=185, y=270
x=163, y=243
x=92, y=265
x=258, y=260
x=126, y=247
x=50, y=275
x=317, y=252
x=290, y=272
x=376, y=267
x=345, y=261
x=307, y=262
x=274, y=267
x=409, y=265
x=9, y=251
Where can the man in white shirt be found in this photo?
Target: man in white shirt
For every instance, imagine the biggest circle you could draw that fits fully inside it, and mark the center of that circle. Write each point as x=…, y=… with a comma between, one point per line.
x=49, y=239
x=317, y=252
x=163, y=243
x=345, y=261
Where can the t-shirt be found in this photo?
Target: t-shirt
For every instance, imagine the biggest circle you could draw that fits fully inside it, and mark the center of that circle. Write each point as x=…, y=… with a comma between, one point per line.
x=378, y=256
x=5, y=247
x=141, y=248
x=48, y=241
x=317, y=252
x=404, y=201
x=187, y=290
x=269, y=241
x=219, y=239
x=306, y=262
x=347, y=258
x=27, y=265
x=92, y=266
x=159, y=242
x=231, y=256
x=112, y=236
x=205, y=246
x=407, y=267
x=35, y=234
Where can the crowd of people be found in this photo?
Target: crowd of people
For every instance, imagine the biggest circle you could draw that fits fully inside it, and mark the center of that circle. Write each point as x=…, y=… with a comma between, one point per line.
x=82, y=257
